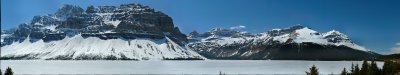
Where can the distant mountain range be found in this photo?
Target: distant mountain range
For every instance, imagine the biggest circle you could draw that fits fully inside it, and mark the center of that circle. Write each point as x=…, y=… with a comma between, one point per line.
x=293, y=43
x=137, y=32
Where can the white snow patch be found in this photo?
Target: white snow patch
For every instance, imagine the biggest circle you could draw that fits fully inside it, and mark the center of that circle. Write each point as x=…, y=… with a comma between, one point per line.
x=282, y=38
x=229, y=40
x=115, y=23
x=38, y=23
x=104, y=14
x=51, y=27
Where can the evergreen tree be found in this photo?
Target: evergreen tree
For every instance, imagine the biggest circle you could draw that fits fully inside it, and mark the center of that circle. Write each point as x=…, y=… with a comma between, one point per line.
x=90, y=9
x=220, y=73
x=386, y=69
x=355, y=70
x=389, y=68
x=352, y=69
x=313, y=71
x=344, y=72
x=8, y=71
x=365, y=68
x=373, y=69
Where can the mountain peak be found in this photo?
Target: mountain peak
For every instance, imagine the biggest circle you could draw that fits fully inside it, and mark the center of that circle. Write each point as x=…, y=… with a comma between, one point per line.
x=277, y=32
x=67, y=6
x=305, y=30
x=70, y=8
x=295, y=27
x=215, y=29
x=135, y=5
x=223, y=32
x=333, y=32
x=67, y=11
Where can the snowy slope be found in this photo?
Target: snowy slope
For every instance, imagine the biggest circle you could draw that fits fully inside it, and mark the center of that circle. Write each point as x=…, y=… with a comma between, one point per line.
x=308, y=35
x=295, y=42
x=78, y=47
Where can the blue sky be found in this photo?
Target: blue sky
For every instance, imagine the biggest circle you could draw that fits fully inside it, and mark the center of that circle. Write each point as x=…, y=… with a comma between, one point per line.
x=374, y=24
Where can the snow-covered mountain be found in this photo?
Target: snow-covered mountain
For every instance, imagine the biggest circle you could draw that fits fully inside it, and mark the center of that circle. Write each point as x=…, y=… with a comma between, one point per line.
x=296, y=42
x=137, y=32
x=125, y=32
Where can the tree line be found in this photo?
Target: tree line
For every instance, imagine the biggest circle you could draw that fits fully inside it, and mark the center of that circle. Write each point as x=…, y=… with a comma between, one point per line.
x=389, y=68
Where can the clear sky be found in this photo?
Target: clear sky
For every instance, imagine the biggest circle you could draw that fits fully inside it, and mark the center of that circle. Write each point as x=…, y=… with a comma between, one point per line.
x=374, y=24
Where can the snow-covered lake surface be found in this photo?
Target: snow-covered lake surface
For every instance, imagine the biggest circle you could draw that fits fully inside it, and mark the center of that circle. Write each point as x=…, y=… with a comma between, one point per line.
x=174, y=67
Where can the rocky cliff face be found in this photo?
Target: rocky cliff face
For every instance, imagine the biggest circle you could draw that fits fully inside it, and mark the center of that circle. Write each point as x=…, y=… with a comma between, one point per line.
x=151, y=33
x=134, y=19
x=294, y=43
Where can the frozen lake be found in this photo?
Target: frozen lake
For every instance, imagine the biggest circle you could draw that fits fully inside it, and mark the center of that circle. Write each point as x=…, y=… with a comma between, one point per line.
x=174, y=67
